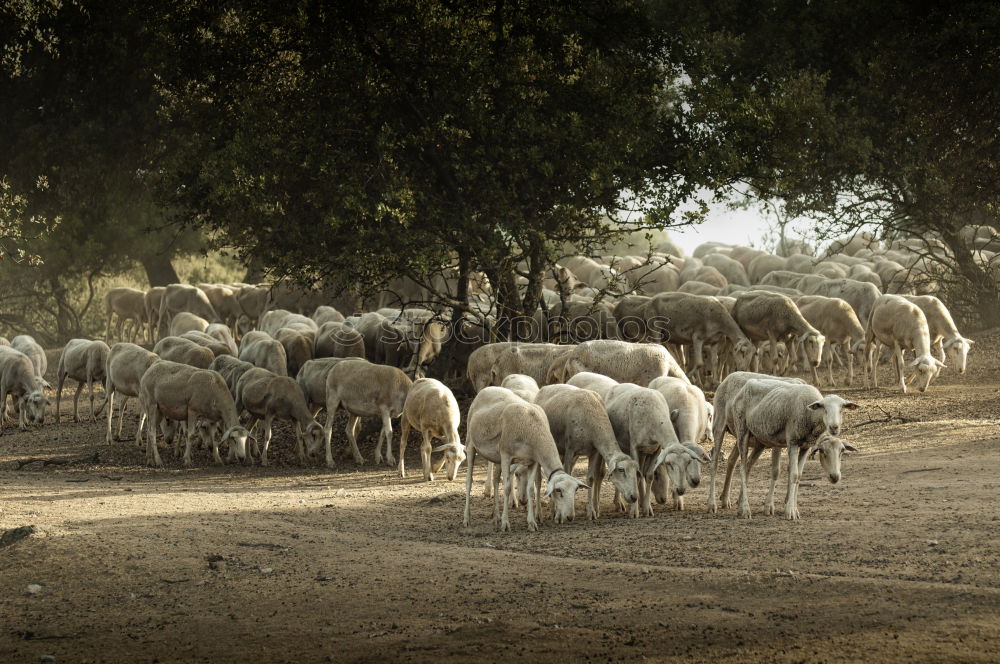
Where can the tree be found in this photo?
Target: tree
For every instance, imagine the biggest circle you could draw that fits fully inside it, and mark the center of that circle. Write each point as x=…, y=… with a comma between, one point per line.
x=880, y=115
x=358, y=144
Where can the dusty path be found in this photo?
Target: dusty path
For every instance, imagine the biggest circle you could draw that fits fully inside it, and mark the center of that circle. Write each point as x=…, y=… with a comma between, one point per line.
x=900, y=561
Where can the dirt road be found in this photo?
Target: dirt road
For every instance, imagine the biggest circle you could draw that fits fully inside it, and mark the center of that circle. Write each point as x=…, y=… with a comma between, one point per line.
x=900, y=561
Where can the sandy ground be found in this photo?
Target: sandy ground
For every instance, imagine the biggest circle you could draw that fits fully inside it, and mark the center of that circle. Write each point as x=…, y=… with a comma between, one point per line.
x=900, y=561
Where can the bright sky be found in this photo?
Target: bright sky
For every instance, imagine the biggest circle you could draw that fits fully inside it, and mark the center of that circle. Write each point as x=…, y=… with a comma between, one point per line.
x=746, y=227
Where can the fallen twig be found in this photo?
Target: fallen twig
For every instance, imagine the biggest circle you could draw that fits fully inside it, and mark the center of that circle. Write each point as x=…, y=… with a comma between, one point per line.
x=92, y=458
x=888, y=419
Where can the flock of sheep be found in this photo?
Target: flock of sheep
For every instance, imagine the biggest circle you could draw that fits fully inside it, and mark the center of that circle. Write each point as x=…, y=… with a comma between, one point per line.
x=639, y=340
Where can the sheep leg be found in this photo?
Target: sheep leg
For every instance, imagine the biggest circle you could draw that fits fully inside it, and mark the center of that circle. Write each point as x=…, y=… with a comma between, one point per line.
x=794, y=471
x=327, y=435
x=730, y=467
x=744, y=509
x=387, y=434
x=508, y=488
x=772, y=349
x=191, y=425
x=268, y=421
x=718, y=433
x=497, y=508
x=404, y=436
x=775, y=469
x=352, y=437
x=595, y=475
x=76, y=401
x=90, y=389
x=110, y=398
x=488, y=486
x=873, y=355
x=470, y=462
x=425, y=456
x=152, y=454
x=531, y=475
x=898, y=355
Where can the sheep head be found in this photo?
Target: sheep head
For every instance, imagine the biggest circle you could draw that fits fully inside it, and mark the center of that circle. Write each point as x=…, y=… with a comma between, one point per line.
x=312, y=437
x=927, y=368
x=957, y=350
x=830, y=449
x=454, y=455
x=675, y=458
x=35, y=403
x=812, y=345
x=832, y=408
x=623, y=472
x=237, y=437
x=744, y=352
x=562, y=489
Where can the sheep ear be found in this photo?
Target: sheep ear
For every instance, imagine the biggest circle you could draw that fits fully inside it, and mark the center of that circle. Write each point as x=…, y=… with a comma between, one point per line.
x=968, y=341
x=816, y=405
x=583, y=485
x=812, y=452
x=674, y=414
x=549, y=487
x=915, y=362
x=940, y=363
x=850, y=448
x=850, y=405
x=612, y=464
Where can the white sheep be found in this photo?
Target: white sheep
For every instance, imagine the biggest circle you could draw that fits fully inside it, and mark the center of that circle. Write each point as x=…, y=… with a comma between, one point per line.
x=19, y=380
x=185, y=351
x=298, y=345
x=641, y=419
x=261, y=350
x=776, y=414
x=186, y=322
x=207, y=341
x=529, y=359
x=179, y=298
x=944, y=334
x=506, y=429
x=691, y=416
x=838, y=322
x=326, y=314
x=184, y=393
x=365, y=390
x=901, y=324
x=773, y=317
x=623, y=361
x=84, y=361
x=39, y=360
x=129, y=304
x=231, y=369
x=480, y=364
x=125, y=367
x=523, y=386
x=222, y=334
x=312, y=380
x=595, y=382
x=580, y=426
x=267, y=396
x=431, y=409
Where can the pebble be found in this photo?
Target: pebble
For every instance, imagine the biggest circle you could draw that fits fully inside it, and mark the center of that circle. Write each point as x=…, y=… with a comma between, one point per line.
x=341, y=492
x=34, y=588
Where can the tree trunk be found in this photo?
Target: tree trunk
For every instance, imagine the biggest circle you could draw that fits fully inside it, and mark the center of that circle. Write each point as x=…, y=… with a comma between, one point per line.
x=255, y=272
x=159, y=270
x=976, y=289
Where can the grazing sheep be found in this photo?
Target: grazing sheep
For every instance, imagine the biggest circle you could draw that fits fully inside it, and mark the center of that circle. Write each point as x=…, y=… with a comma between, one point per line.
x=266, y=396
x=225, y=302
x=231, y=369
x=580, y=426
x=528, y=359
x=183, y=393
x=84, y=361
x=774, y=317
x=325, y=314
x=506, y=429
x=186, y=322
x=339, y=340
x=431, y=409
x=623, y=361
x=641, y=419
x=298, y=348
x=629, y=314
x=762, y=265
x=901, y=324
x=696, y=320
x=692, y=420
x=262, y=351
x=185, y=351
x=27, y=345
x=480, y=364
x=19, y=380
x=731, y=269
x=312, y=380
x=153, y=301
x=836, y=320
x=126, y=365
x=383, y=341
x=944, y=334
x=694, y=287
x=365, y=389
x=129, y=304
x=181, y=297
x=254, y=301
x=860, y=295
x=772, y=413
x=222, y=334
x=211, y=343
x=276, y=319
x=587, y=380
x=523, y=386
